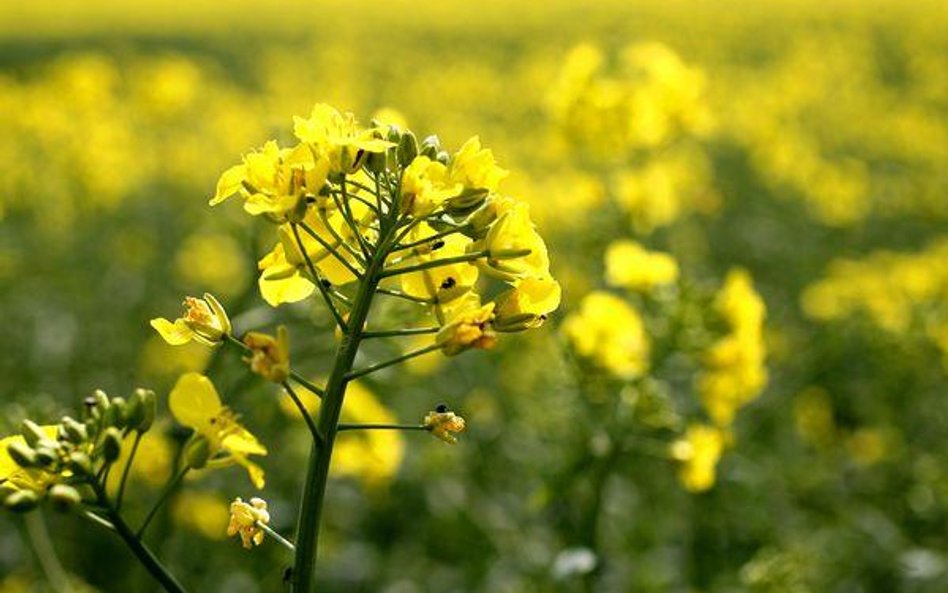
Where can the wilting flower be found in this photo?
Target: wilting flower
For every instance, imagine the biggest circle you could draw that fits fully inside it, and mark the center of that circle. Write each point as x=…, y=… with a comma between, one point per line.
x=444, y=425
x=204, y=320
x=194, y=402
x=270, y=357
x=469, y=328
x=245, y=519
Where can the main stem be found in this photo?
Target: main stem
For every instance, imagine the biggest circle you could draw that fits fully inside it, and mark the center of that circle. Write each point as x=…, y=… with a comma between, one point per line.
x=314, y=490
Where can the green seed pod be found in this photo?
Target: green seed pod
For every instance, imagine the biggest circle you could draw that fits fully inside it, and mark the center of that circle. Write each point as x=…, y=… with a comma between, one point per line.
x=111, y=444
x=32, y=433
x=80, y=464
x=21, y=501
x=22, y=454
x=517, y=323
x=64, y=497
x=407, y=148
x=197, y=452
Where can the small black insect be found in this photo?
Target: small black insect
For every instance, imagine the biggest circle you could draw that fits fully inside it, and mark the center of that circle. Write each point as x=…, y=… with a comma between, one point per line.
x=442, y=408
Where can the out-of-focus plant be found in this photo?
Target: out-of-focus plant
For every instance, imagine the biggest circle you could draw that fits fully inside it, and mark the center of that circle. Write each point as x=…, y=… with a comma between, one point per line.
x=361, y=214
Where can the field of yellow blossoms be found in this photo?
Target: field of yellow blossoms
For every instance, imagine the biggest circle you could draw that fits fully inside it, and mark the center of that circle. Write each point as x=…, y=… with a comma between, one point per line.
x=724, y=224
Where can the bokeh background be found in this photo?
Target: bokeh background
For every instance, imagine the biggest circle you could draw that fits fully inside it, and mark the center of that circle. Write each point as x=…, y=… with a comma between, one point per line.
x=803, y=141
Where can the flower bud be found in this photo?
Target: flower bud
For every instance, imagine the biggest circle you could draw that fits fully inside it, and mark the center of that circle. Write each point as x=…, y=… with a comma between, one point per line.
x=197, y=452
x=6, y=489
x=142, y=410
x=120, y=413
x=270, y=357
x=443, y=157
x=111, y=444
x=376, y=162
x=101, y=400
x=80, y=464
x=45, y=456
x=407, y=148
x=64, y=497
x=32, y=433
x=22, y=454
x=73, y=430
x=430, y=147
x=21, y=501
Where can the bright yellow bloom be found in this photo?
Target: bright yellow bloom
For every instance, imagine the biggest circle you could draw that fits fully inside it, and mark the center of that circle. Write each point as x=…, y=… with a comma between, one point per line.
x=204, y=321
x=513, y=232
x=194, y=402
x=611, y=333
x=245, y=519
x=270, y=357
x=11, y=474
x=527, y=305
x=273, y=180
x=444, y=425
x=630, y=265
x=425, y=186
x=338, y=137
x=475, y=168
x=735, y=370
x=698, y=451
x=470, y=328
x=442, y=284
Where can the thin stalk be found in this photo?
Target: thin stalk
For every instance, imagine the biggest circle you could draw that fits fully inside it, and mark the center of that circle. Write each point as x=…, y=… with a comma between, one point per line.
x=317, y=438
x=314, y=488
x=434, y=237
x=135, y=544
x=413, y=331
x=445, y=261
x=90, y=516
x=382, y=426
x=279, y=538
x=128, y=467
x=381, y=365
x=345, y=208
x=406, y=296
x=295, y=375
x=318, y=280
x=165, y=495
x=330, y=248
x=45, y=552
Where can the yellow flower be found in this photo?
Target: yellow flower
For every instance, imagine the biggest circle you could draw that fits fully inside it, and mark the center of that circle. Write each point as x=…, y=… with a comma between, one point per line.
x=204, y=320
x=20, y=478
x=338, y=137
x=273, y=180
x=698, y=451
x=470, y=328
x=270, y=357
x=194, y=402
x=609, y=331
x=527, y=305
x=735, y=370
x=245, y=519
x=630, y=265
x=514, y=232
x=425, y=186
x=475, y=168
x=442, y=284
x=444, y=425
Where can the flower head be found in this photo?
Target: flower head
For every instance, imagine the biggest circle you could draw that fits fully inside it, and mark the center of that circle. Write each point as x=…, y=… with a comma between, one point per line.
x=245, y=520
x=425, y=186
x=444, y=425
x=512, y=233
x=630, y=265
x=270, y=357
x=469, y=328
x=204, y=320
x=194, y=402
x=338, y=137
x=475, y=168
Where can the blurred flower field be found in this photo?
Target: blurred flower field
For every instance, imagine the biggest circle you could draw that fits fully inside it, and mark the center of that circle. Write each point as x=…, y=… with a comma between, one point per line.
x=745, y=385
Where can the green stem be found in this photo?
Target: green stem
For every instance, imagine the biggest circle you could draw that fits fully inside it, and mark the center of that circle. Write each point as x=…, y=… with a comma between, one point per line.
x=381, y=426
x=279, y=538
x=45, y=552
x=413, y=331
x=128, y=467
x=381, y=365
x=429, y=239
x=329, y=248
x=317, y=438
x=406, y=296
x=314, y=489
x=318, y=280
x=135, y=544
x=445, y=261
x=169, y=489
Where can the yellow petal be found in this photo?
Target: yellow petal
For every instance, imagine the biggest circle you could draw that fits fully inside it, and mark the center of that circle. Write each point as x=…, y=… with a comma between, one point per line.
x=229, y=183
x=194, y=403
x=253, y=470
x=285, y=290
x=243, y=442
x=176, y=334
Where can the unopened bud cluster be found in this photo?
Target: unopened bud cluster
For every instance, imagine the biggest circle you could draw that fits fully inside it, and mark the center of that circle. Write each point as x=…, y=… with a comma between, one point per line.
x=55, y=461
